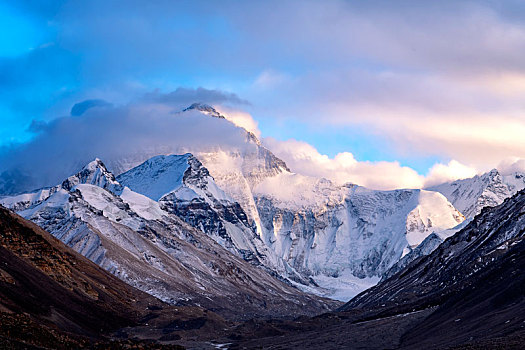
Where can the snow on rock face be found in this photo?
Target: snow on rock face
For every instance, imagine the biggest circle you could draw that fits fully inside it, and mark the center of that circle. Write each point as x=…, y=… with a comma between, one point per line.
x=235, y=169
x=183, y=187
x=156, y=176
x=237, y=173
x=429, y=244
x=461, y=261
x=153, y=250
x=433, y=212
x=94, y=173
x=142, y=205
x=205, y=108
x=469, y=196
x=345, y=232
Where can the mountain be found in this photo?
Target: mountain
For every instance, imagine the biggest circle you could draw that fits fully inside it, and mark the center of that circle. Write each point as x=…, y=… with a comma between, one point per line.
x=330, y=240
x=184, y=187
x=467, y=294
x=474, y=282
x=346, y=237
x=131, y=236
x=471, y=195
x=237, y=164
x=52, y=297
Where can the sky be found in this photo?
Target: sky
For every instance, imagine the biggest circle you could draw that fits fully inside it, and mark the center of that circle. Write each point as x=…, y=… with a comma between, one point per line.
x=385, y=94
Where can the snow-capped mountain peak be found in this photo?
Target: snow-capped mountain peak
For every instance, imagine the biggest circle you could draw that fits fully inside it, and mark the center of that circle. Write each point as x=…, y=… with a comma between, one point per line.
x=94, y=173
x=205, y=108
x=157, y=176
x=433, y=212
x=469, y=196
x=184, y=187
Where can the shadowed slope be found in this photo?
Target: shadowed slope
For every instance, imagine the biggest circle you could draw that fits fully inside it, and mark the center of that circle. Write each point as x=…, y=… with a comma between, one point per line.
x=52, y=297
x=469, y=293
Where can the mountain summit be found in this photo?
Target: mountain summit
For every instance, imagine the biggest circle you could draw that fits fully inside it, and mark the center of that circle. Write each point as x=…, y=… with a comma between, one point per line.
x=205, y=108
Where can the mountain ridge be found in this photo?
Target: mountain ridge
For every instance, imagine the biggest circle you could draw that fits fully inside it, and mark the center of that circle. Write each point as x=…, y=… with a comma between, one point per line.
x=157, y=252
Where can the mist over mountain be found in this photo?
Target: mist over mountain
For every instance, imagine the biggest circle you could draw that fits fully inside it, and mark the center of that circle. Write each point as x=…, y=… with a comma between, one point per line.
x=65, y=144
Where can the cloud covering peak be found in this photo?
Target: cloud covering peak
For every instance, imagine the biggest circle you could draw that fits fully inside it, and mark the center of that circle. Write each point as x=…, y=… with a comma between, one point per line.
x=114, y=133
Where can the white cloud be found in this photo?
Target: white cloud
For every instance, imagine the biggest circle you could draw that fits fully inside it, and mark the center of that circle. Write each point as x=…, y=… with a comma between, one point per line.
x=475, y=120
x=270, y=78
x=239, y=118
x=305, y=159
x=115, y=134
x=511, y=165
x=454, y=170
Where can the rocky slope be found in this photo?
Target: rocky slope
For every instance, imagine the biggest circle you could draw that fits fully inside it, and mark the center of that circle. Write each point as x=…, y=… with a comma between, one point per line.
x=155, y=251
x=467, y=294
x=471, y=195
x=52, y=297
x=474, y=280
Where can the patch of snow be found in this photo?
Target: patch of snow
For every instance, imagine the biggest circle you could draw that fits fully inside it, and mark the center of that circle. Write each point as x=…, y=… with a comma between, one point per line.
x=142, y=205
x=156, y=176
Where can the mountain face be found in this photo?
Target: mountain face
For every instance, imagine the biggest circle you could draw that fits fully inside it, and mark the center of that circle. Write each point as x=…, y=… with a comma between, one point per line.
x=469, y=252
x=52, y=297
x=474, y=280
x=236, y=169
x=467, y=294
x=346, y=237
x=426, y=247
x=131, y=236
x=183, y=187
x=469, y=196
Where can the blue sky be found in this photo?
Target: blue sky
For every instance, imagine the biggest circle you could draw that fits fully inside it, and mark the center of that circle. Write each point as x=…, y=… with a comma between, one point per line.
x=415, y=82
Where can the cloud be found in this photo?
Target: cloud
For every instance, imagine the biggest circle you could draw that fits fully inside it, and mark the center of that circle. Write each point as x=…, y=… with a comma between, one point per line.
x=476, y=124
x=122, y=135
x=119, y=135
x=304, y=159
x=80, y=108
x=240, y=118
x=454, y=170
x=440, y=79
x=183, y=97
x=511, y=165
x=270, y=78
